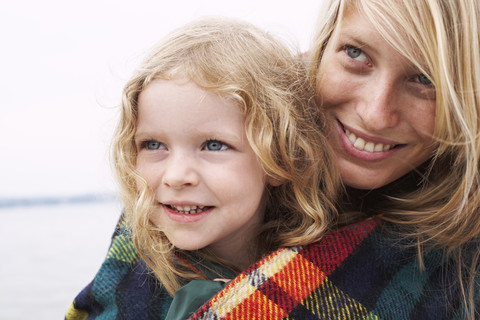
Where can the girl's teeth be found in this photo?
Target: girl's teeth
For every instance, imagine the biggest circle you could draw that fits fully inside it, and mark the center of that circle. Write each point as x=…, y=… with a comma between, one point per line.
x=361, y=144
x=188, y=209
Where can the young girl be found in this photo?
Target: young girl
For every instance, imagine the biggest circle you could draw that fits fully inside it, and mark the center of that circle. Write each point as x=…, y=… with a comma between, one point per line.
x=221, y=159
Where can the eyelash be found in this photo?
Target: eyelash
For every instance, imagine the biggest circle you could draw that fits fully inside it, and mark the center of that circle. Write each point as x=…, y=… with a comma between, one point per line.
x=421, y=76
x=350, y=47
x=418, y=77
x=223, y=146
x=144, y=144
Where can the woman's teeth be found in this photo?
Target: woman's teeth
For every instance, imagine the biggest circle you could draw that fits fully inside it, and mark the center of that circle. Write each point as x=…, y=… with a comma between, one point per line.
x=363, y=145
x=187, y=209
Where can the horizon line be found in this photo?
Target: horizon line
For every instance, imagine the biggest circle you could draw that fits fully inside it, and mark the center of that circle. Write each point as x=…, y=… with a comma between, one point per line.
x=12, y=202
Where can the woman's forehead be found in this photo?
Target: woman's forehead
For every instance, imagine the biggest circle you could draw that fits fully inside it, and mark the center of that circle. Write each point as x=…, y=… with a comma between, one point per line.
x=361, y=15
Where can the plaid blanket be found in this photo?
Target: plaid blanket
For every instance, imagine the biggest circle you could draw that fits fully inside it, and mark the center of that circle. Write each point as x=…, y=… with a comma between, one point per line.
x=362, y=271
x=123, y=288
x=358, y=272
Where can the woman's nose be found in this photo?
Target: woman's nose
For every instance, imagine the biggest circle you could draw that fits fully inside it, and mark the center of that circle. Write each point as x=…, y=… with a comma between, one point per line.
x=379, y=107
x=180, y=172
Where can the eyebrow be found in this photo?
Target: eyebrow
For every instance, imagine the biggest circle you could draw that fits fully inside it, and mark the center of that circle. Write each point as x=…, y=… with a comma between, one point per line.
x=220, y=135
x=358, y=42
x=144, y=133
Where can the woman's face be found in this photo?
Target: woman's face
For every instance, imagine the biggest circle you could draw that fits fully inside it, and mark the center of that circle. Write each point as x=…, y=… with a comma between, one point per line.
x=382, y=109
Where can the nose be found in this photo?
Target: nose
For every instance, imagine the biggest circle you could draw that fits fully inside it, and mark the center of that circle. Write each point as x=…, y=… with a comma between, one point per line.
x=379, y=108
x=180, y=171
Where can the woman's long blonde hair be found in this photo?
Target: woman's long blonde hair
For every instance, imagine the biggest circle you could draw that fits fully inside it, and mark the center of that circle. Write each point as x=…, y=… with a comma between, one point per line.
x=284, y=127
x=442, y=39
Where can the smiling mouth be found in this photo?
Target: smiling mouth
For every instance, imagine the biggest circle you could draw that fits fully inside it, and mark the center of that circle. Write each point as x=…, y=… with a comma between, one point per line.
x=188, y=209
x=362, y=145
x=368, y=146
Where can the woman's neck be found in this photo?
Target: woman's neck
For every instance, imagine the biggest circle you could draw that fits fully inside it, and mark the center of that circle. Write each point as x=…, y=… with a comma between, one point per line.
x=376, y=201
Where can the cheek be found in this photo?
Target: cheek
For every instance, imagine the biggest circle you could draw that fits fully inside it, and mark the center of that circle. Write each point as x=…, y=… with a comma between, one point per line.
x=156, y=219
x=423, y=121
x=141, y=184
x=145, y=177
x=431, y=117
x=332, y=88
x=249, y=180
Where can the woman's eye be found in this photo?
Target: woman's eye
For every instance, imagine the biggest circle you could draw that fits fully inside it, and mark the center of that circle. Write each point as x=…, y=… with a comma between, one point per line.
x=356, y=53
x=421, y=78
x=153, y=145
x=215, y=145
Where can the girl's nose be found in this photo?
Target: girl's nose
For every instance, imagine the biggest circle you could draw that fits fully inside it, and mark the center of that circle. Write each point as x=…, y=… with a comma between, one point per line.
x=180, y=172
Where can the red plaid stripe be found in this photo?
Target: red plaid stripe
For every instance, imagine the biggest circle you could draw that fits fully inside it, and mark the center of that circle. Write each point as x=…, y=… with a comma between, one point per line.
x=279, y=283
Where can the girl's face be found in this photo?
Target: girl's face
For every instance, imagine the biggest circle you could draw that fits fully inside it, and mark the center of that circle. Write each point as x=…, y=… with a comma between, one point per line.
x=382, y=109
x=194, y=154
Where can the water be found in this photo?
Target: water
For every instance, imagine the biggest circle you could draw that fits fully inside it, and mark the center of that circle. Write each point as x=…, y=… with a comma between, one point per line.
x=48, y=254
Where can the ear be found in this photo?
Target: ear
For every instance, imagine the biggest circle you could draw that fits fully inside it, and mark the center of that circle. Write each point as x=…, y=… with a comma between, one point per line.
x=275, y=182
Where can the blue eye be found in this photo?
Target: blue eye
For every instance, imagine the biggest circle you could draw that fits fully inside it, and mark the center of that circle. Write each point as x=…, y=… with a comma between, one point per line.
x=421, y=78
x=215, y=145
x=153, y=145
x=356, y=53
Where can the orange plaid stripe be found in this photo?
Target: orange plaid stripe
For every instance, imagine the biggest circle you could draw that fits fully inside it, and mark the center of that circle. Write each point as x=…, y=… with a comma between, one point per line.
x=289, y=281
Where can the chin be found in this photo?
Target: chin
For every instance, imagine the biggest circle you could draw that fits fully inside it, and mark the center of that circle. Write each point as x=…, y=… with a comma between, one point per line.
x=364, y=182
x=186, y=247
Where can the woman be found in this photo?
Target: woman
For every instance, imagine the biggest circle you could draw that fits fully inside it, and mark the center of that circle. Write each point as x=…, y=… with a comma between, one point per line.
x=400, y=82
x=399, y=78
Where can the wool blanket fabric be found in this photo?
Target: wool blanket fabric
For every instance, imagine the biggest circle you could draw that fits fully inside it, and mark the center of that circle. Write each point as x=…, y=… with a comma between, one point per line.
x=123, y=288
x=363, y=271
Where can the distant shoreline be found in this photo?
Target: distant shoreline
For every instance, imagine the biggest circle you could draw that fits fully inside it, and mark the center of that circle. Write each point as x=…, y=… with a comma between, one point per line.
x=51, y=201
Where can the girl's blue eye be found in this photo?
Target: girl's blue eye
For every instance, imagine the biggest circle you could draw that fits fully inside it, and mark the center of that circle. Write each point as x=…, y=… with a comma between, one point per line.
x=153, y=145
x=355, y=53
x=215, y=145
x=424, y=80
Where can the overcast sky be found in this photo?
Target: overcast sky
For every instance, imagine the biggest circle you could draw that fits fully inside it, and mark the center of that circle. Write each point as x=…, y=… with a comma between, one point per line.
x=63, y=65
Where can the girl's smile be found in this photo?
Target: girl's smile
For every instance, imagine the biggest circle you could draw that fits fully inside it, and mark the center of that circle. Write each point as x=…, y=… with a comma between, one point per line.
x=190, y=209
x=193, y=152
x=186, y=213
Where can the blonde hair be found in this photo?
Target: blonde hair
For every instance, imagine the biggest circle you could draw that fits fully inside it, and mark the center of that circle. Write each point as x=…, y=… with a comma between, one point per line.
x=442, y=39
x=283, y=125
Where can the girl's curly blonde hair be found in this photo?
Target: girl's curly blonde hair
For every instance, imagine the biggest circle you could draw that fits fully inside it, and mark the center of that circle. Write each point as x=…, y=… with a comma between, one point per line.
x=284, y=126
